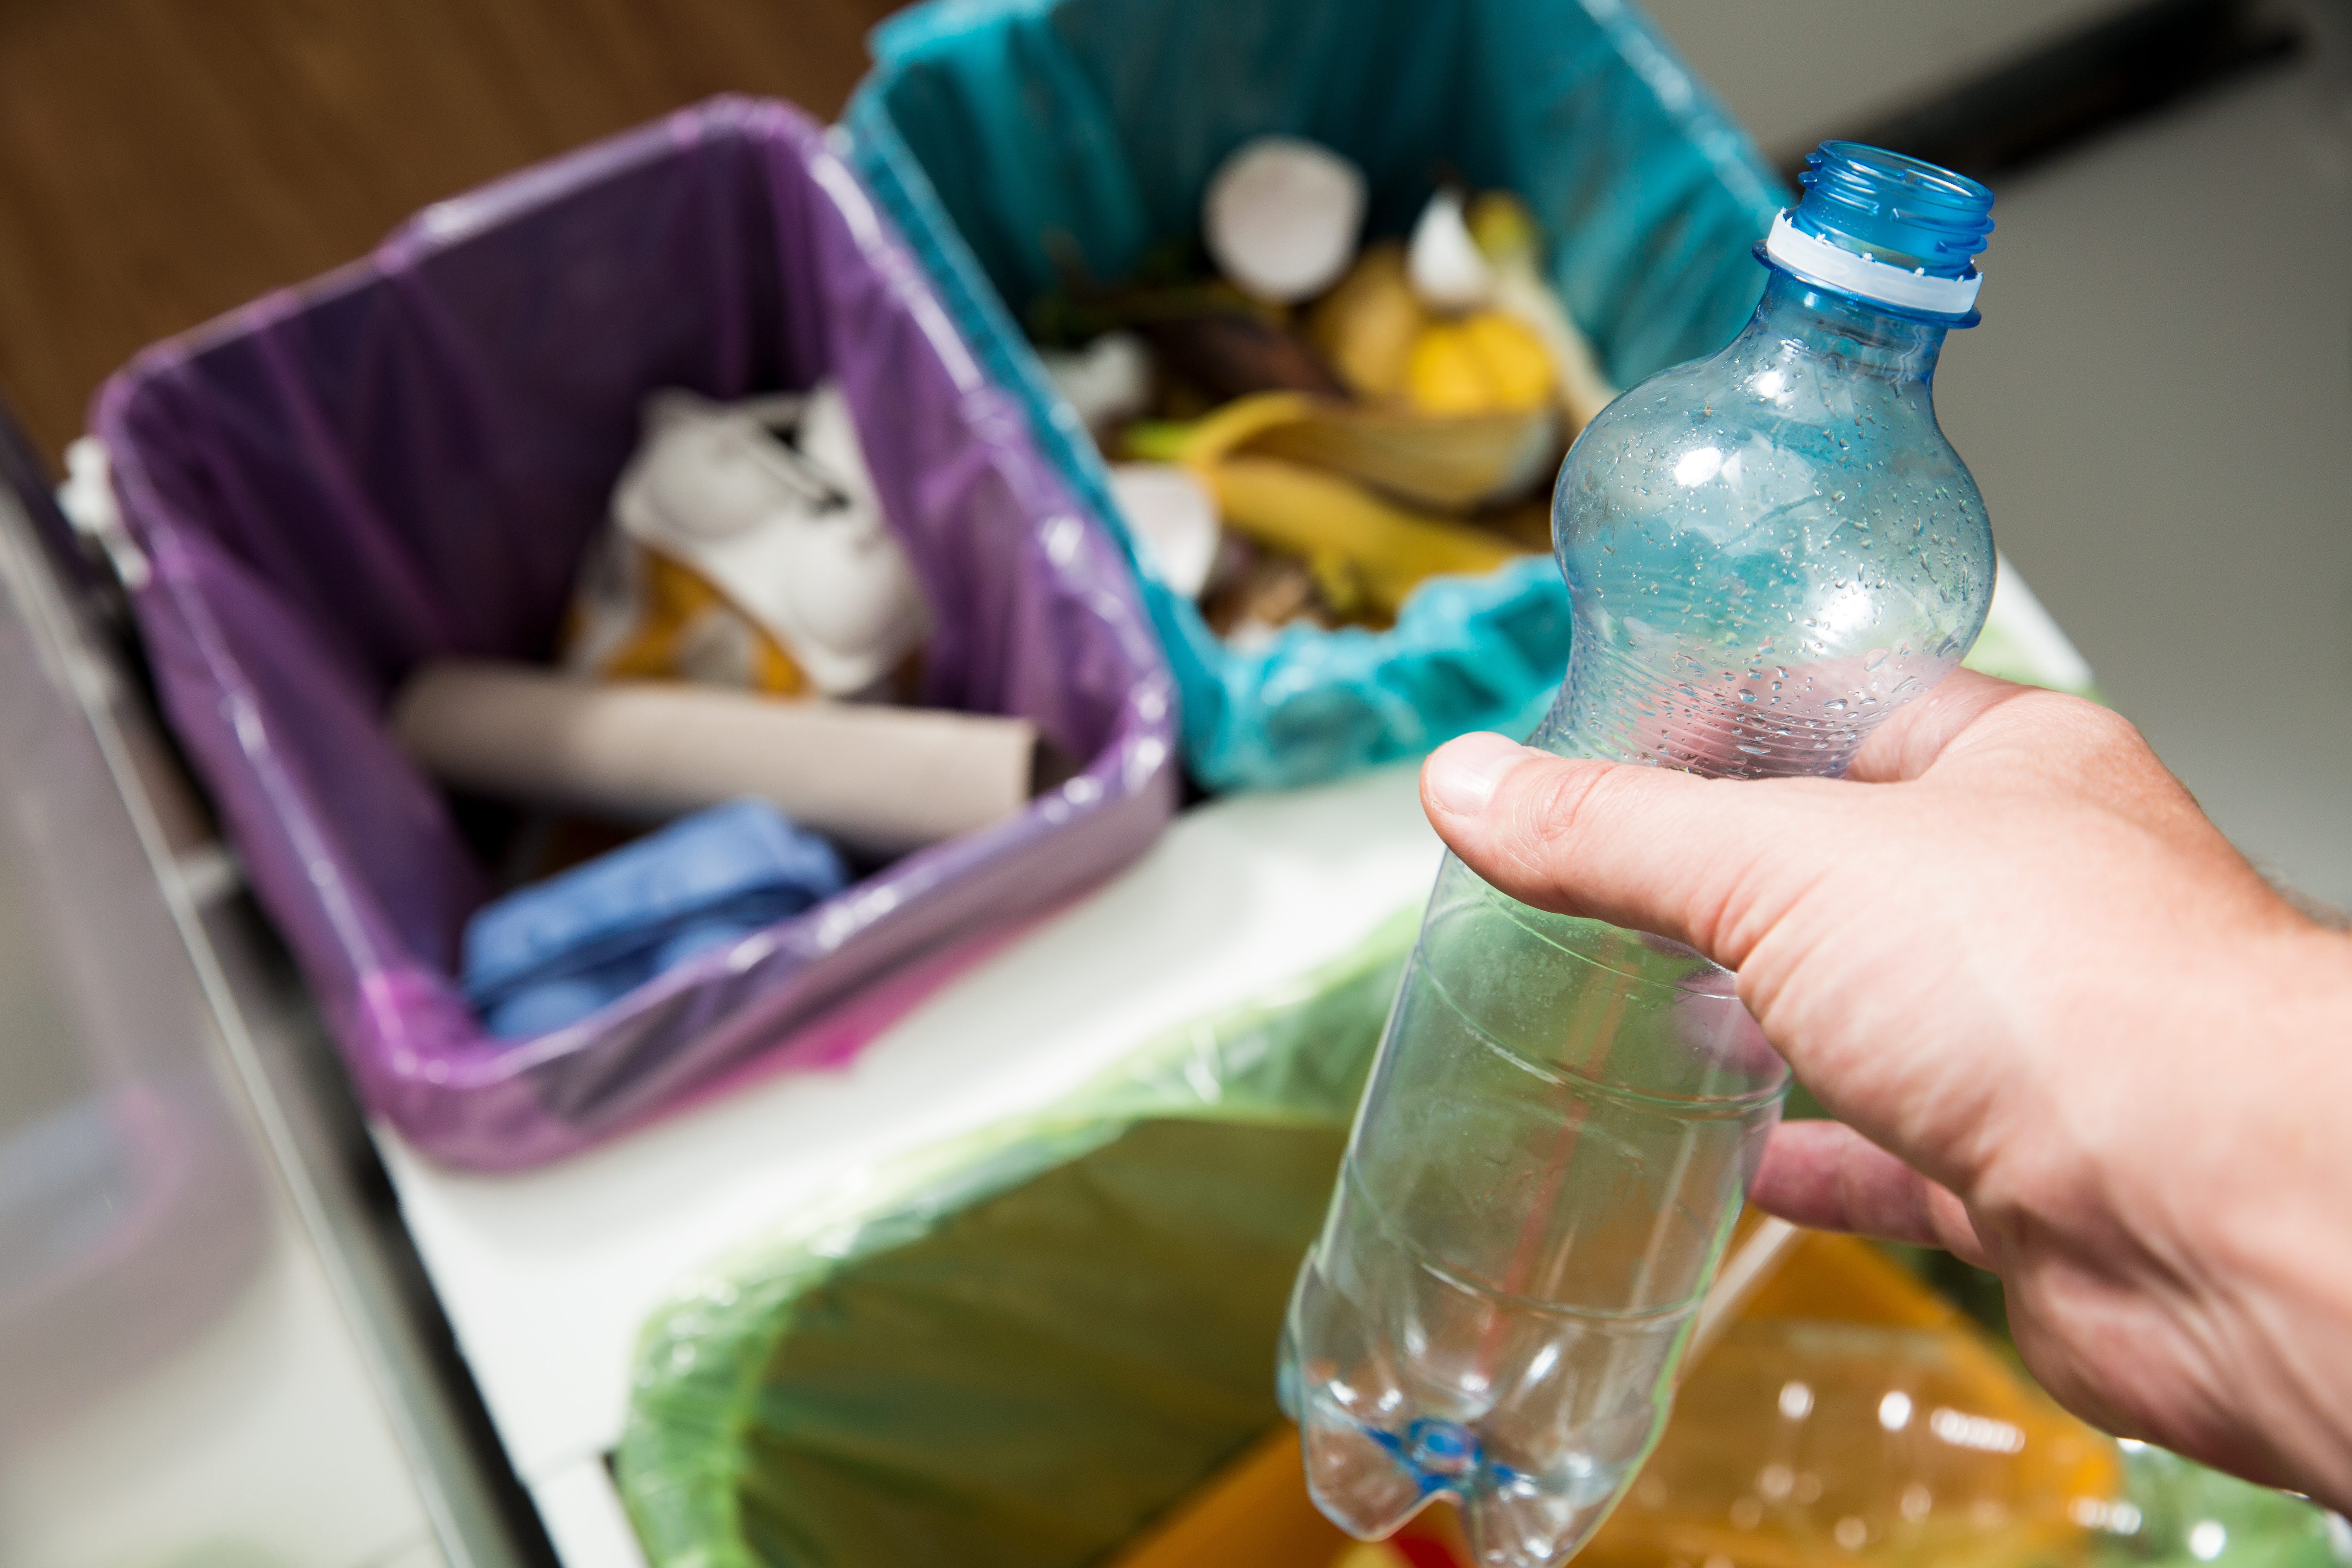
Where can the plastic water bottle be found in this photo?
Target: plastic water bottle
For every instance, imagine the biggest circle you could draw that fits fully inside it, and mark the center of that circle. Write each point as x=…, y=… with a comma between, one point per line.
x=1768, y=551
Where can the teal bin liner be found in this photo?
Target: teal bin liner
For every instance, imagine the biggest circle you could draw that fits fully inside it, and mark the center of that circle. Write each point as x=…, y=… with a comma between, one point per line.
x=1011, y=138
x=1019, y=1348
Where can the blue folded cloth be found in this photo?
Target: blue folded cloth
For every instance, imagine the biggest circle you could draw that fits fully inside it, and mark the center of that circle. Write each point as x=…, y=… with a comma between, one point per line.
x=556, y=951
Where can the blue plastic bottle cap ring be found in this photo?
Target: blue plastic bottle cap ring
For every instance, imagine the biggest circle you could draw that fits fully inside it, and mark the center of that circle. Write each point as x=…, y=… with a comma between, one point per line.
x=1841, y=268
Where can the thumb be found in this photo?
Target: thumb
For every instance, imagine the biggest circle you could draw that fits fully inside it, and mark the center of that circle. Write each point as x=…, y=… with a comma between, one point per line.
x=1647, y=848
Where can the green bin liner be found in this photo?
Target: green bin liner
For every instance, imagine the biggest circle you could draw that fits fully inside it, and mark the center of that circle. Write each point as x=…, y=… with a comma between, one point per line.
x=1011, y=138
x=1022, y=1346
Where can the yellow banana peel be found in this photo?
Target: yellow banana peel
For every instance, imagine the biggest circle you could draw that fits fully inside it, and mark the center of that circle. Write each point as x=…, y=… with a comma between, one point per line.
x=1427, y=460
x=1242, y=421
x=1366, y=551
x=1317, y=515
x=1366, y=326
x=1448, y=464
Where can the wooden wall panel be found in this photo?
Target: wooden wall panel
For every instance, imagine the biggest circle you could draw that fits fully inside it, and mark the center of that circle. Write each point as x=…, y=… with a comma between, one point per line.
x=162, y=161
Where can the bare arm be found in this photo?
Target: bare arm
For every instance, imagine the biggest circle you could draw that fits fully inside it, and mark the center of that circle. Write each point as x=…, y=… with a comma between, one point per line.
x=2069, y=1032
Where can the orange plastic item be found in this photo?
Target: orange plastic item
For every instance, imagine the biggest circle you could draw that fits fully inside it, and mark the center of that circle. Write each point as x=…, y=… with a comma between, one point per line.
x=1254, y=1513
x=683, y=628
x=1850, y=1416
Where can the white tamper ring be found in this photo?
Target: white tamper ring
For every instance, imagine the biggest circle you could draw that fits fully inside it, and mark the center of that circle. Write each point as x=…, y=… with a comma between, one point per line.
x=1820, y=260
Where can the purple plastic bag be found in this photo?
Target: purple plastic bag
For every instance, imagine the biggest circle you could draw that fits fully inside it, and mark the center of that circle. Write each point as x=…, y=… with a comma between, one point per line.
x=406, y=458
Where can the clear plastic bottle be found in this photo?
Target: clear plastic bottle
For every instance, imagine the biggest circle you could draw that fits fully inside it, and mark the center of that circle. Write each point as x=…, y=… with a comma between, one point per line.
x=1768, y=550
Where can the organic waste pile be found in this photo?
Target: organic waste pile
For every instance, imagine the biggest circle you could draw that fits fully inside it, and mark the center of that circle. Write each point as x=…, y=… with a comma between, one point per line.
x=1312, y=431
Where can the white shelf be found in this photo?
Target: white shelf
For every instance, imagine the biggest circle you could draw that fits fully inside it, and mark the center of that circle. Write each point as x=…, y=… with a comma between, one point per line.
x=582, y=1509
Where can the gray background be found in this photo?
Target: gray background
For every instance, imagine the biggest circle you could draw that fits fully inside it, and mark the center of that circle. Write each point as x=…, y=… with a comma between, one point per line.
x=2159, y=405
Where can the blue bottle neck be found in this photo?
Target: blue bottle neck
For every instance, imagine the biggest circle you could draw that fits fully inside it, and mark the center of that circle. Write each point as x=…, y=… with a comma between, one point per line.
x=1862, y=337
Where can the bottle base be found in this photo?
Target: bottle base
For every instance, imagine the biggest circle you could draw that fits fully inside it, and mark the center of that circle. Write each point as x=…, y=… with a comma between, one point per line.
x=1372, y=1479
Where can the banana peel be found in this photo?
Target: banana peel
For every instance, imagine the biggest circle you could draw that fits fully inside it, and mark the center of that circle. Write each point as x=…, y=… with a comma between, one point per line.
x=1329, y=521
x=1239, y=423
x=1446, y=464
x=1310, y=513
x=1352, y=538
x=1366, y=326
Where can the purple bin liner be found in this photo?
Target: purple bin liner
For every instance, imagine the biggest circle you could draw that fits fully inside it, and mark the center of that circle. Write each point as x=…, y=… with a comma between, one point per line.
x=406, y=458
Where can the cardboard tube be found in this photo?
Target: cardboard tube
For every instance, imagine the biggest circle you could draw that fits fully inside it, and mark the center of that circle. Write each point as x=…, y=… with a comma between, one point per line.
x=879, y=780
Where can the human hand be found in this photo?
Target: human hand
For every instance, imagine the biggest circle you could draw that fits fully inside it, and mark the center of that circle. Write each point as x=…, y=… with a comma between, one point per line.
x=2066, y=1030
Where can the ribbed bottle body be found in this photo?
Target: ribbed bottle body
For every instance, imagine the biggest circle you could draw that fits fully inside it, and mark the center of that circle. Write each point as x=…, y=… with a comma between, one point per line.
x=1767, y=551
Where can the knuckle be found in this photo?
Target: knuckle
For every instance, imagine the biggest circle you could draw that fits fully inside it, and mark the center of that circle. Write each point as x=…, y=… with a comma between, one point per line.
x=1554, y=811
x=2103, y=731
x=1550, y=832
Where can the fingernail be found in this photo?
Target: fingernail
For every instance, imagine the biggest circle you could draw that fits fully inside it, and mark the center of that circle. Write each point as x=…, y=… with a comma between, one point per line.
x=1463, y=774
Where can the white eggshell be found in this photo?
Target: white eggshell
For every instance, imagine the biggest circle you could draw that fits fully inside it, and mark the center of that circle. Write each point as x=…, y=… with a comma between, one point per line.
x=1281, y=217
x=1175, y=515
x=1443, y=263
x=1107, y=381
x=794, y=539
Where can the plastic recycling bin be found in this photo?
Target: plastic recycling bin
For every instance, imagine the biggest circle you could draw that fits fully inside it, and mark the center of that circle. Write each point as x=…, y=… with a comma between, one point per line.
x=406, y=459
x=1021, y=1346
x=1012, y=139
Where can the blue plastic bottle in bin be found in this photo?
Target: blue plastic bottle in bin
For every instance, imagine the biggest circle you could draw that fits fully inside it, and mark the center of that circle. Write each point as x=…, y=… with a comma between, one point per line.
x=1016, y=140
x=1769, y=551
